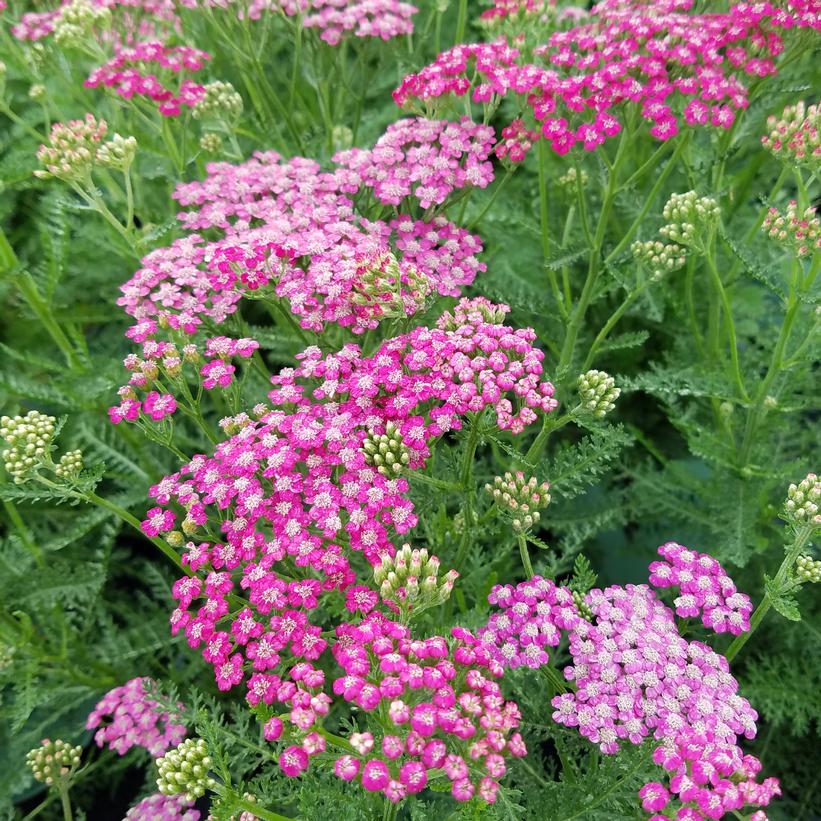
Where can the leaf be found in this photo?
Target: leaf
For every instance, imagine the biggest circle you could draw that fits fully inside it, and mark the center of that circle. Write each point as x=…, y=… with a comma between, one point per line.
x=625, y=341
x=782, y=603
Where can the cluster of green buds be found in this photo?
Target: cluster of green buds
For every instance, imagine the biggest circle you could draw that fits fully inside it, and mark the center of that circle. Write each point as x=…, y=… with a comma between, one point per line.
x=807, y=569
x=802, y=501
x=381, y=282
x=118, y=152
x=185, y=770
x=690, y=219
x=582, y=606
x=54, y=761
x=387, y=451
x=522, y=497
x=341, y=137
x=211, y=142
x=659, y=257
x=77, y=20
x=410, y=581
x=220, y=101
x=37, y=91
x=72, y=149
x=569, y=180
x=30, y=439
x=598, y=393
x=70, y=464
x=799, y=231
x=795, y=136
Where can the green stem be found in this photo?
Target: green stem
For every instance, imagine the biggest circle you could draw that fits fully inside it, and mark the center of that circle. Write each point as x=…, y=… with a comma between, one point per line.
x=793, y=552
x=725, y=302
x=593, y=268
x=545, y=228
x=610, y=324
x=631, y=231
x=250, y=807
x=489, y=203
x=466, y=482
x=461, y=21
x=31, y=294
x=66, y=802
x=523, y=552
x=23, y=531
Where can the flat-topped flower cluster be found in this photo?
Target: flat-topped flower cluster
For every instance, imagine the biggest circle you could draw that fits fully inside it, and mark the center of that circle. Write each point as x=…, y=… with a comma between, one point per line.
x=669, y=64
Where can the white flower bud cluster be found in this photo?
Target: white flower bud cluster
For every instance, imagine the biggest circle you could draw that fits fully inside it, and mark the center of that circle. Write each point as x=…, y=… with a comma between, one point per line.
x=659, y=257
x=689, y=217
x=808, y=569
x=185, y=770
x=70, y=464
x=386, y=451
x=234, y=424
x=341, y=137
x=53, y=760
x=803, y=499
x=211, y=143
x=522, y=496
x=598, y=392
x=76, y=20
x=72, y=149
x=30, y=439
x=221, y=101
x=568, y=181
x=37, y=91
x=410, y=581
x=799, y=231
x=796, y=135
x=118, y=152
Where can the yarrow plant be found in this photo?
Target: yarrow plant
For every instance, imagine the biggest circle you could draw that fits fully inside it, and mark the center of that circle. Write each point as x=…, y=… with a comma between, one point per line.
x=401, y=388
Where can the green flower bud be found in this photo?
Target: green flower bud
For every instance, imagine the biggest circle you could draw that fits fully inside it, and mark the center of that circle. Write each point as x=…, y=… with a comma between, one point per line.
x=220, y=101
x=54, y=761
x=801, y=506
x=386, y=451
x=598, y=392
x=185, y=770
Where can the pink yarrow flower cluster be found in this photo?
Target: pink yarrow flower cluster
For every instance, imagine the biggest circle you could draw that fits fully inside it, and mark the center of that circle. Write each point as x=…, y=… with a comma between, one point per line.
x=128, y=717
x=296, y=484
x=635, y=675
x=426, y=159
x=163, y=366
x=383, y=19
x=444, y=711
x=530, y=619
x=130, y=73
x=290, y=231
x=708, y=779
x=159, y=807
x=705, y=589
x=670, y=64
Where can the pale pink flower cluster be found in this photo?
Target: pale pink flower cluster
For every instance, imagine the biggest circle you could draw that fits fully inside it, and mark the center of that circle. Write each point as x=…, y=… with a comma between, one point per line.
x=530, y=619
x=296, y=485
x=705, y=589
x=291, y=231
x=162, y=367
x=656, y=56
x=796, y=230
x=131, y=73
x=710, y=778
x=426, y=159
x=502, y=9
x=635, y=675
x=132, y=21
x=441, y=709
x=383, y=19
x=128, y=717
x=794, y=134
x=159, y=807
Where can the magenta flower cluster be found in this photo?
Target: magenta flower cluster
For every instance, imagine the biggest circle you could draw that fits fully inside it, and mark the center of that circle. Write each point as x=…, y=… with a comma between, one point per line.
x=159, y=807
x=383, y=19
x=128, y=717
x=426, y=159
x=130, y=73
x=442, y=707
x=295, y=485
x=705, y=589
x=709, y=778
x=530, y=619
x=671, y=65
